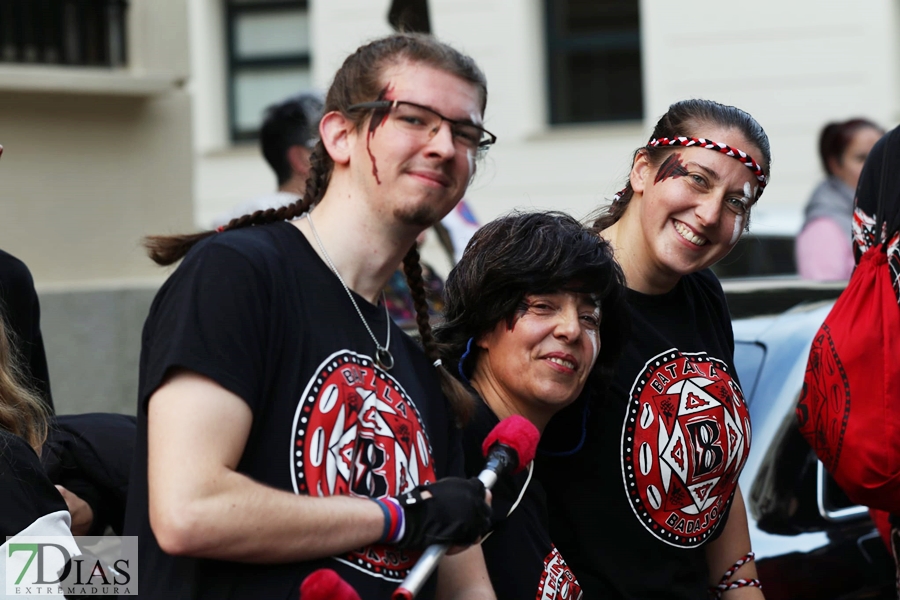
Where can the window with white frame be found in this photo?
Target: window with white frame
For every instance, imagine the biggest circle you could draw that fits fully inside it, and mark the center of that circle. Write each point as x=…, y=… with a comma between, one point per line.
x=594, y=60
x=268, y=58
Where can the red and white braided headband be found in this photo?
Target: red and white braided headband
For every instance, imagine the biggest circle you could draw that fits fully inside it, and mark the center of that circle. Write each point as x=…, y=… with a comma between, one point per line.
x=740, y=155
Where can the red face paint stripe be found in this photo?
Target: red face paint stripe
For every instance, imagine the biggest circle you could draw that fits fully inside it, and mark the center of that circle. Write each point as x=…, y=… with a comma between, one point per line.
x=671, y=167
x=379, y=118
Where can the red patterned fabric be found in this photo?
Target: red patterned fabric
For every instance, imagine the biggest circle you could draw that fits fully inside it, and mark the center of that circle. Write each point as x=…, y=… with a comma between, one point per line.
x=849, y=409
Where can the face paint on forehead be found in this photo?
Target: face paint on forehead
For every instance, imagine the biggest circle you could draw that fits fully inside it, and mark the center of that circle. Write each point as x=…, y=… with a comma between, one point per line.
x=379, y=118
x=750, y=191
x=671, y=167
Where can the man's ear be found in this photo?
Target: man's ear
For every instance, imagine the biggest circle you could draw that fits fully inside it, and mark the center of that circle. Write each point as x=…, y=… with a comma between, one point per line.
x=640, y=171
x=336, y=131
x=834, y=163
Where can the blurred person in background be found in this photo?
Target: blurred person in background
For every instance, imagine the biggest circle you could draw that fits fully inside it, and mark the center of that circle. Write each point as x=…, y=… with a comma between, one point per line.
x=88, y=456
x=822, y=248
x=453, y=234
x=460, y=225
x=399, y=299
x=21, y=308
x=30, y=505
x=28, y=500
x=534, y=314
x=288, y=134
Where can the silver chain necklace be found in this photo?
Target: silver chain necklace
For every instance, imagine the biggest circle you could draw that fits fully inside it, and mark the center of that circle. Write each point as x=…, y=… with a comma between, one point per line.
x=382, y=354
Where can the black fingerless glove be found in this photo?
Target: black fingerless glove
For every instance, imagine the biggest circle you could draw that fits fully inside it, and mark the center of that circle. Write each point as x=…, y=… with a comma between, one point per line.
x=449, y=511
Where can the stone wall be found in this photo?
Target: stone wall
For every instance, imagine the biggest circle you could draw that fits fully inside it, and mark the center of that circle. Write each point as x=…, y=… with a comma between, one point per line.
x=93, y=343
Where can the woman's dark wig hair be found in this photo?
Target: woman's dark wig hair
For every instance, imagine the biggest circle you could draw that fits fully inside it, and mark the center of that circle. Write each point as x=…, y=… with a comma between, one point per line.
x=835, y=137
x=530, y=253
x=361, y=78
x=690, y=118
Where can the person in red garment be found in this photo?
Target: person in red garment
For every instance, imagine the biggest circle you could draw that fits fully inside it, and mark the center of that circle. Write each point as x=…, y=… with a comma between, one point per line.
x=879, y=185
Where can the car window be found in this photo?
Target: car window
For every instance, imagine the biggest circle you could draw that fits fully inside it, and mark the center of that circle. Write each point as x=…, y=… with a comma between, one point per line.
x=748, y=359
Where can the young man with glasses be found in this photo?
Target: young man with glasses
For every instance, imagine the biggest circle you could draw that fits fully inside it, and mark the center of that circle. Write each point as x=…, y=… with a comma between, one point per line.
x=278, y=400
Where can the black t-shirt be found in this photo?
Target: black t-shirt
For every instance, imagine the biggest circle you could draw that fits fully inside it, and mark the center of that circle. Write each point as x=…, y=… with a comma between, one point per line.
x=257, y=311
x=19, y=306
x=26, y=493
x=520, y=558
x=665, y=446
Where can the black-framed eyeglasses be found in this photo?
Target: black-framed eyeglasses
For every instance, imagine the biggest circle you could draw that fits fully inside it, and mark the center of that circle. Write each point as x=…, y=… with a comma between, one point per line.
x=421, y=120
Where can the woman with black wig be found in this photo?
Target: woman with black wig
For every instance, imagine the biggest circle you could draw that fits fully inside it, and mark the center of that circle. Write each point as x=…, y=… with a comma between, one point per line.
x=534, y=315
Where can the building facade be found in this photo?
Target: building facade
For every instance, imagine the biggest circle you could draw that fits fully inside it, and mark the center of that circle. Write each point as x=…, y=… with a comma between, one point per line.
x=153, y=132
x=566, y=126
x=95, y=121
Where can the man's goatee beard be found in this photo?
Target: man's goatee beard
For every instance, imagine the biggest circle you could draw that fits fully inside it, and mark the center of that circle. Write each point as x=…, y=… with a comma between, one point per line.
x=423, y=216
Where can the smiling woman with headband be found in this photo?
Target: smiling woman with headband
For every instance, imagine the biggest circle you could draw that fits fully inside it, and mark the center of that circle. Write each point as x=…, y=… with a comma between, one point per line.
x=650, y=506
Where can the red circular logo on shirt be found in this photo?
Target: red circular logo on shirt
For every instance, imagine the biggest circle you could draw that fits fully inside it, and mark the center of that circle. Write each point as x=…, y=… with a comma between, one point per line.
x=357, y=433
x=684, y=442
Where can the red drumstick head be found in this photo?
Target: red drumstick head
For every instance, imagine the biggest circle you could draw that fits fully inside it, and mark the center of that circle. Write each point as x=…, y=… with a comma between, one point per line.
x=519, y=435
x=325, y=584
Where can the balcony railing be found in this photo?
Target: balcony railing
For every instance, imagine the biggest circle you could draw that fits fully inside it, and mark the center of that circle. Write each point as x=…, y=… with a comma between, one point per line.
x=63, y=32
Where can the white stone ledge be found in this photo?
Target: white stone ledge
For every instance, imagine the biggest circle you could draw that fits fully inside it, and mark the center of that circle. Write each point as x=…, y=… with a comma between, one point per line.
x=84, y=80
